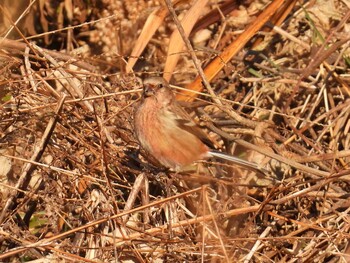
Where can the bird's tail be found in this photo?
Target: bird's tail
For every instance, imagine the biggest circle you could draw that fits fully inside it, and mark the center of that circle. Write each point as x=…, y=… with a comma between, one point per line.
x=238, y=161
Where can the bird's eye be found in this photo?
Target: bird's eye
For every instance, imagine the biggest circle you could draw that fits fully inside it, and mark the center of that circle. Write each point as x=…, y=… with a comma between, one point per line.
x=160, y=85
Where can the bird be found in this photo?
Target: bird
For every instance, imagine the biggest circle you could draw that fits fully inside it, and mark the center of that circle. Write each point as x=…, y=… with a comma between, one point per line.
x=168, y=133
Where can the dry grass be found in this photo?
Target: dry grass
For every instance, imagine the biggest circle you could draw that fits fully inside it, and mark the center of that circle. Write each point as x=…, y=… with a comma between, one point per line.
x=75, y=186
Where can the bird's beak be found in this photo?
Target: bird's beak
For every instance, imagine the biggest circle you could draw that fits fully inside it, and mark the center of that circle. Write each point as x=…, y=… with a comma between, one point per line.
x=148, y=91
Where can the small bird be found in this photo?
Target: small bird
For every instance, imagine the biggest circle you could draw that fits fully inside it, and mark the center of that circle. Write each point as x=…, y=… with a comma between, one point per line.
x=167, y=132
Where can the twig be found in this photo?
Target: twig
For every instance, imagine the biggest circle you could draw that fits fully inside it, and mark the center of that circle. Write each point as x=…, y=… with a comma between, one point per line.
x=12, y=44
x=192, y=52
x=29, y=168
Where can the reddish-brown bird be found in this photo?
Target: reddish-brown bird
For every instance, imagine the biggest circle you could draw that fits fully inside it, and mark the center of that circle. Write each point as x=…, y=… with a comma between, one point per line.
x=167, y=132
